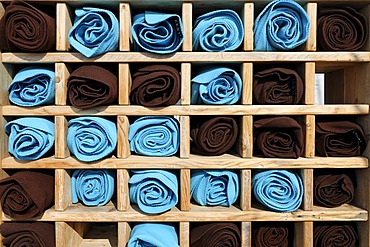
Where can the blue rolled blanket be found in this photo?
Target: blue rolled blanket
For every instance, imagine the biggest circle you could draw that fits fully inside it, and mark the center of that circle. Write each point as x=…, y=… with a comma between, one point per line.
x=153, y=235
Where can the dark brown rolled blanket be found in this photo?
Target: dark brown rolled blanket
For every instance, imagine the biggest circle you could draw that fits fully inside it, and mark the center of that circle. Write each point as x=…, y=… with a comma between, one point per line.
x=26, y=28
x=335, y=235
x=155, y=85
x=215, y=234
x=271, y=236
x=90, y=86
x=22, y=234
x=341, y=29
x=278, y=86
x=26, y=194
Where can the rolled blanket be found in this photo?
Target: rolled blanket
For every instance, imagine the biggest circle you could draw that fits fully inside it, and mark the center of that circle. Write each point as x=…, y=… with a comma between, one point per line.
x=91, y=138
x=333, y=190
x=282, y=25
x=155, y=85
x=341, y=29
x=30, y=137
x=278, y=190
x=214, y=187
x=339, y=138
x=153, y=234
x=216, y=86
x=271, y=236
x=280, y=137
x=335, y=235
x=154, y=136
x=154, y=191
x=94, y=31
x=33, y=86
x=157, y=32
x=213, y=136
x=26, y=194
x=92, y=187
x=215, y=234
x=26, y=28
x=220, y=30
x=278, y=86
x=90, y=86
x=35, y=234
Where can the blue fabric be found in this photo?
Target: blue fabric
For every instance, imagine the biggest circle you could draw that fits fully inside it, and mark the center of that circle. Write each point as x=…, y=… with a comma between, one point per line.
x=153, y=235
x=157, y=32
x=30, y=137
x=213, y=187
x=32, y=86
x=94, y=32
x=215, y=86
x=154, y=191
x=282, y=25
x=154, y=136
x=279, y=190
x=92, y=187
x=220, y=30
x=91, y=138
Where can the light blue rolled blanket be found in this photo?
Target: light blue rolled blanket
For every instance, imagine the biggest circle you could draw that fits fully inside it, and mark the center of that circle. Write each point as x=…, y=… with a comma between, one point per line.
x=154, y=191
x=91, y=138
x=92, y=187
x=154, y=136
x=94, y=32
x=217, y=85
x=153, y=235
x=279, y=190
x=282, y=25
x=30, y=137
x=33, y=86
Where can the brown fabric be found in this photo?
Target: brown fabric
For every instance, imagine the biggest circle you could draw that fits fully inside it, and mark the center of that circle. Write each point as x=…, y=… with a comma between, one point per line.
x=335, y=235
x=280, y=137
x=90, y=86
x=155, y=85
x=22, y=234
x=278, y=86
x=215, y=234
x=25, y=28
x=341, y=29
x=339, y=138
x=271, y=237
x=213, y=136
x=26, y=194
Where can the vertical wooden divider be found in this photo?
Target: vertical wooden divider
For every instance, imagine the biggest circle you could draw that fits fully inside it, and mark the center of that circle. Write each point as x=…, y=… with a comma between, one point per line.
x=307, y=178
x=311, y=9
x=309, y=81
x=123, y=145
x=246, y=190
x=303, y=234
x=61, y=77
x=310, y=136
x=125, y=37
x=245, y=140
x=124, y=84
x=246, y=234
x=247, y=78
x=187, y=22
x=185, y=189
x=124, y=231
x=184, y=136
x=123, y=198
x=61, y=130
x=248, y=17
x=185, y=84
x=63, y=191
x=66, y=236
x=64, y=24
x=184, y=234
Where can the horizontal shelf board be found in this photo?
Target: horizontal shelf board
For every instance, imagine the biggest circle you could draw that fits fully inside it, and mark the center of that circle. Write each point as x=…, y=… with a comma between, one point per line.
x=226, y=161
x=133, y=110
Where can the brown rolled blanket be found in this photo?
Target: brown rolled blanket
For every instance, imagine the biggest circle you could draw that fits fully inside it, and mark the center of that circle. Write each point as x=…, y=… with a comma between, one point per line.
x=215, y=234
x=335, y=235
x=271, y=236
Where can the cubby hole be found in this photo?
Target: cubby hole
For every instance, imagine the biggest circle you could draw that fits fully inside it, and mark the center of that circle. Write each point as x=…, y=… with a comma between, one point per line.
x=224, y=233
x=342, y=235
x=273, y=233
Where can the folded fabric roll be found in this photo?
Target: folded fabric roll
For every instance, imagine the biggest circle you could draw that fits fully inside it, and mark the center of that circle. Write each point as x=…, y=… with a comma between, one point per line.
x=32, y=86
x=30, y=137
x=213, y=187
x=157, y=32
x=91, y=138
x=335, y=235
x=278, y=86
x=90, y=86
x=215, y=234
x=213, y=136
x=154, y=191
x=35, y=234
x=94, y=31
x=92, y=187
x=153, y=234
x=154, y=136
x=340, y=138
x=26, y=194
x=271, y=236
x=333, y=190
x=282, y=25
x=155, y=85
x=26, y=28
x=216, y=86
x=279, y=190
x=220, y=30
x=279, y=137
x=341, y=29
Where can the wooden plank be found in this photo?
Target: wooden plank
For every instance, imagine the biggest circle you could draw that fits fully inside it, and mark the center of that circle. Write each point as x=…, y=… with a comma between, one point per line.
x=63, y=191
x=248, y=18
x=245, y=190
x=123, y=194
x=311, y=9
x=247, y=77
x=309, y=80
x=61, y=78
x=61, y=131
x=124, y=84
x=184, y=233
x=125, y=39
x=245, y=140
x=124, y=231
x=356, y=86
x=123, y=145
x=184, y=137
x=246, y=234
x=187, y=22
x=64, y=24
x=307, y=178
x=66, y=236
x=309, y=151
x=185, y=84
x=303, y=234
x=185, y=189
